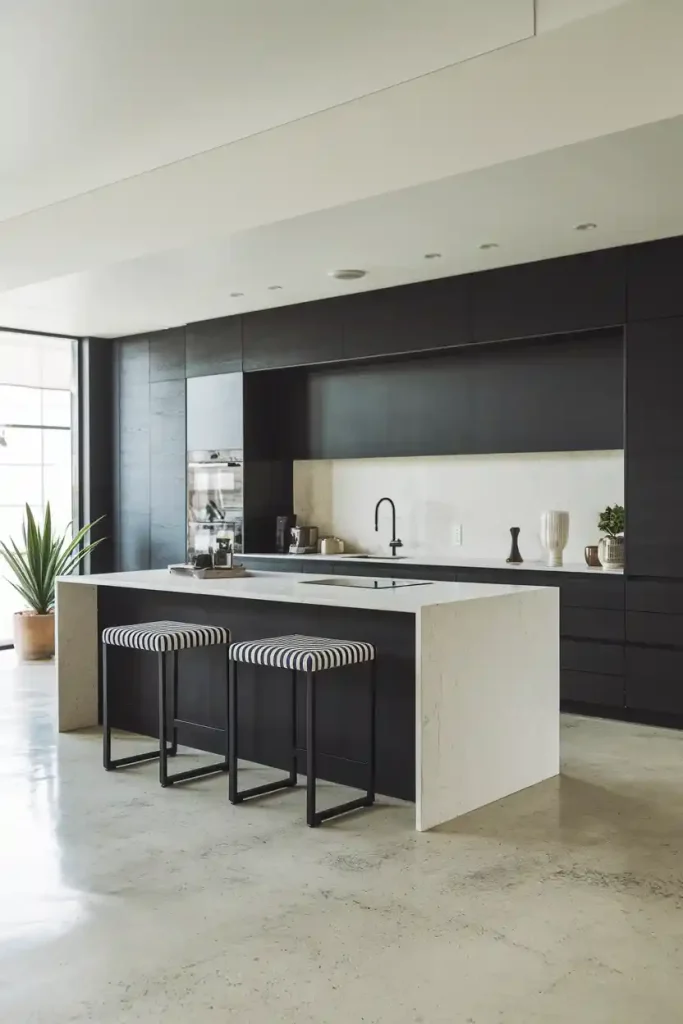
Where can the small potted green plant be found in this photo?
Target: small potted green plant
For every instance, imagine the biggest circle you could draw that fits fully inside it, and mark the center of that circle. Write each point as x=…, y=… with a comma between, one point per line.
x=611, y=547
x=35, y=566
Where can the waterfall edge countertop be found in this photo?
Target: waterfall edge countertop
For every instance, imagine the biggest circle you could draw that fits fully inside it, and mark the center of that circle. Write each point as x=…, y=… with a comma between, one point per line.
x=467, y=676
x=295, y=588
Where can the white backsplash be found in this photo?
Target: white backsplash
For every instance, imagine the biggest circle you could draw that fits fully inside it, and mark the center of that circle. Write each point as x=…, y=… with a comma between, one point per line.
x=484, y=494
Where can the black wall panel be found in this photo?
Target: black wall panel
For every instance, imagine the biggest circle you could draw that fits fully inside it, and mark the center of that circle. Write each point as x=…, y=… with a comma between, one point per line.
x=167, y=355
x=655, y=272
x=167, y=473
x=413, y=318
x=574, y=293
x=309, y=332
x=654, y=448
x=214, y=346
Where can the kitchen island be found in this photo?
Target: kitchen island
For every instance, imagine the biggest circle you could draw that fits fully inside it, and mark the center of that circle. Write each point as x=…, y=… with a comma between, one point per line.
x=467, y=676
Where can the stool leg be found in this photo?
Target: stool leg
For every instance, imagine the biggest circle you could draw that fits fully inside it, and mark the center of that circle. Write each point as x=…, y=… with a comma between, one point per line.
x=232, y=733
x=373, y=731
x=173, y=749
x=293, y=768
x=163, y=721
x=227, y=706
x=106, y=731
x=311, y=817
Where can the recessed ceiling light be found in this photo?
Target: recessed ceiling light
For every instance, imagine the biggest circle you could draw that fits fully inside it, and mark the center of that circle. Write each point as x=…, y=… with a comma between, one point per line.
x=274, y=287
x=587, y=226
x=346, y=275
x=489, y=245
x=236, y=295
x=432, y=255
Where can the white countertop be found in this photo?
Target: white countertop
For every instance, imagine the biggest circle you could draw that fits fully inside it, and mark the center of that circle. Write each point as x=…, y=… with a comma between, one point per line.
x=294, y=588
x=448, y=561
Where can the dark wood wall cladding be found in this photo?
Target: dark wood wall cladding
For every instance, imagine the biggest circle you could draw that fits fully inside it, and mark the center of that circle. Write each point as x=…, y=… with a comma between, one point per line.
x=655, y=272
x=562, y=395
x=654, y=448
x=214, y=346
x=134, y=492
x=573, y=293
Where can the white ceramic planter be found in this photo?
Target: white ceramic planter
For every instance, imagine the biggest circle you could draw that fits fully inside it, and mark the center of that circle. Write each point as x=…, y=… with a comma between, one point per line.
x=611, y=552
x=554, y=535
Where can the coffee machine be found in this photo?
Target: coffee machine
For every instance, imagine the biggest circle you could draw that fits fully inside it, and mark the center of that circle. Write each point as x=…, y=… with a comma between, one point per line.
x=304, y=540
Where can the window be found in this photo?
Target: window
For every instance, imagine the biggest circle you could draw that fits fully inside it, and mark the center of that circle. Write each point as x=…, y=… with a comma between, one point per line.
x=36, y=386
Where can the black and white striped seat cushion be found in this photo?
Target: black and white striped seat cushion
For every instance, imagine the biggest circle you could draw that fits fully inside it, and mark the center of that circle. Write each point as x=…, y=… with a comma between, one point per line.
x=165, y=636
x=302, y=653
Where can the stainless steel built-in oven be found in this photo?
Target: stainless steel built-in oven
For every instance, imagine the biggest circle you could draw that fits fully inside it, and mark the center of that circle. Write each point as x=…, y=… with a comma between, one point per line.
x=214, y=499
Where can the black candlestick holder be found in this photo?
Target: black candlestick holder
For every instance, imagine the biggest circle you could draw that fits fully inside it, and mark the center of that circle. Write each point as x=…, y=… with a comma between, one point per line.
x=515, y=556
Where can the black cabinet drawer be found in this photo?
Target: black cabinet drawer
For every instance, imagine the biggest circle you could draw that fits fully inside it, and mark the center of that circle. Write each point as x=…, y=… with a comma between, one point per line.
x=592, y=623
x=586, y=656
x=592, y=688
x=665, y=598
x=652, y=628
x=550, y=297
x=654, y=679
x=412, y=318
x=596, y=592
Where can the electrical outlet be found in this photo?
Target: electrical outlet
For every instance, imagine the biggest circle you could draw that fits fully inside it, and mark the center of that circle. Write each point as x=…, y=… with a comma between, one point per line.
x=457, y=534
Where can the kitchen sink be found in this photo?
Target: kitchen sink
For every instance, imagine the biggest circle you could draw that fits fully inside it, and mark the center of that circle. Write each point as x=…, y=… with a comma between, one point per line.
x=365, y=583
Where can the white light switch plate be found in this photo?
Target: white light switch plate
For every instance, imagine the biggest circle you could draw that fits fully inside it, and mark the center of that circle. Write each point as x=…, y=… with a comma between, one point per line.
x=457, y=534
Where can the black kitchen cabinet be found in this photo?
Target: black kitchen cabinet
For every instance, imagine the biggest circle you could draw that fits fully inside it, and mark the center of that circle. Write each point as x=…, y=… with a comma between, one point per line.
x=655, y=271
x=573, y=293
x=413, y=318
x=215, y=412
x=167, y=473
x=654, y=448
x=167, y=355
x=133, y=452
x=528, y=396
x=653, y=680
x=308, y=333
x=213, y=346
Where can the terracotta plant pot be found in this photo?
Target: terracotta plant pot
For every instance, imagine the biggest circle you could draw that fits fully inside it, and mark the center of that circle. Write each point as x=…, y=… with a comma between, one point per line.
x=34, y=636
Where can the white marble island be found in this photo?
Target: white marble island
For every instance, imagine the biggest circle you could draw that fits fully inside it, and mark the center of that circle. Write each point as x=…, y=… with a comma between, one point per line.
x=477, y=663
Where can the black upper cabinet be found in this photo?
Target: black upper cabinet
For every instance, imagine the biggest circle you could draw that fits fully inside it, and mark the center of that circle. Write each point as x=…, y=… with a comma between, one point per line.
x=305, y=334
x=413, y=318
x=523, y=397
x=167, y=472
x=214, y=346
x=573, y=293
x=654, y=448
x=167, y=355
x=655, y=272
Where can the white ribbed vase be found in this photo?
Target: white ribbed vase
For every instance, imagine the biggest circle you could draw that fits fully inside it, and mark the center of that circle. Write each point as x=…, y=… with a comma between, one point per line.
x=554, y=535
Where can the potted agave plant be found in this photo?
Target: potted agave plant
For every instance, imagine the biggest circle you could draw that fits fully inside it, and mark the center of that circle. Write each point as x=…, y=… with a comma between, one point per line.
x=611, y=546
x=35, y=566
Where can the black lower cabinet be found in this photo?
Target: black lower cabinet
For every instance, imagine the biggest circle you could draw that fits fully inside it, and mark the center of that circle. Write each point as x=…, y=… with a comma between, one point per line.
x=654, y=680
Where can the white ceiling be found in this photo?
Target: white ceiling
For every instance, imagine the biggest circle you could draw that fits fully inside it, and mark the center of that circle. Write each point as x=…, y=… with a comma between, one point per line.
x=157, y=155
x=628, y=183
x=94, y=91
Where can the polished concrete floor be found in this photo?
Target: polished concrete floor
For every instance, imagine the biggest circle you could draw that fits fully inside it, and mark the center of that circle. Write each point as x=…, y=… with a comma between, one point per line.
x=120, y=902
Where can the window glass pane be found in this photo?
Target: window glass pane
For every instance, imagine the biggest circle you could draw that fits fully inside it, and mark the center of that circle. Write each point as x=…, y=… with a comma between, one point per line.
x=21, y=445
x=56, y=408
x=57, y=475
x=19, y=405
x=21, y=484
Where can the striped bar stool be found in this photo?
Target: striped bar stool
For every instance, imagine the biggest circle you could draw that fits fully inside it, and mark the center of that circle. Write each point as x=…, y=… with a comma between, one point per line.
x=309, y=654
x=161, y=638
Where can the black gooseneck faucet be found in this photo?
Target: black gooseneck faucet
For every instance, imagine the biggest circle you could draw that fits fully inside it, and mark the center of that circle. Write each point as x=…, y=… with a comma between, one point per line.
x=394, y=543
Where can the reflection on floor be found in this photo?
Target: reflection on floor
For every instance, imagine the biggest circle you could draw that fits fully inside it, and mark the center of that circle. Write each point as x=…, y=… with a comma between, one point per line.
x=120, y=902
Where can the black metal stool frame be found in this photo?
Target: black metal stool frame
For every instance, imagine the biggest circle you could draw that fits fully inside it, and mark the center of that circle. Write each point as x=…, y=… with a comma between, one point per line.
x=314, y=817
x=165, y=750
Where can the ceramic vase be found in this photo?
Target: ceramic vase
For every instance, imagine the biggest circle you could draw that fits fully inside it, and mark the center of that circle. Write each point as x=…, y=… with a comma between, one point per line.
x=515, y=556
x=554, y=536
x=611, y=553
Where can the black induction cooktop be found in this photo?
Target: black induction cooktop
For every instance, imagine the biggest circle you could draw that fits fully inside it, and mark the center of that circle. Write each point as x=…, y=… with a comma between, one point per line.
x=366, y=583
